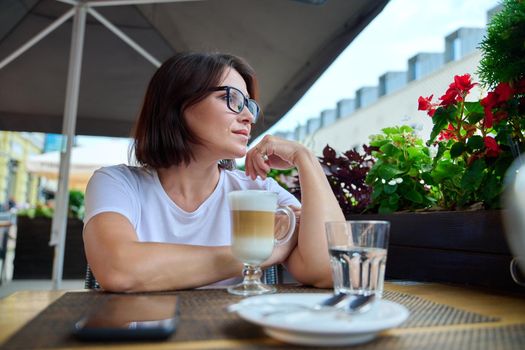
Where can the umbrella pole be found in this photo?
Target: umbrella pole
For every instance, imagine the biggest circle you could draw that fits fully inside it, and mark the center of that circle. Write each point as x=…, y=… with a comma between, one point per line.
x=59, y=224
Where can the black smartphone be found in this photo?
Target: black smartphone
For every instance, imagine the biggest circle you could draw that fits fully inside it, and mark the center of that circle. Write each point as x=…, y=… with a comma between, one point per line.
x=130, y=317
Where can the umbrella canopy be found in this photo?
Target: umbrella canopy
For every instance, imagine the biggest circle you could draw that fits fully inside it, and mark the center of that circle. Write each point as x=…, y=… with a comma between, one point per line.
x=84, y=161
x=289, y=43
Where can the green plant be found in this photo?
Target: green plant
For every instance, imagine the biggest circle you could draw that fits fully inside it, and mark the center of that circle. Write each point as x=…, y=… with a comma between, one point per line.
x=400, y=177
x=346, y=175
x=76, y=204
x=75, y=210
x=503, y=47
x=39, y=210
x=285, y=178
x=476, y=141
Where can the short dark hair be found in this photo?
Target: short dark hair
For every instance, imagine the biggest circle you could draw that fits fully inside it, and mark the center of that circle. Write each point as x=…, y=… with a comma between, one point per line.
x=162, y=138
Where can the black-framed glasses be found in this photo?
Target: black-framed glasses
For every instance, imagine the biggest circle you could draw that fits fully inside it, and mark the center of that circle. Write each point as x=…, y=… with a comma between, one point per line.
x=235, y=100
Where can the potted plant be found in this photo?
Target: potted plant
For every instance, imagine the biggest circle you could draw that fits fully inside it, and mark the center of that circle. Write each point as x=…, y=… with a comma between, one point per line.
x=34, y=256
x=430, y=242
x=443, y=195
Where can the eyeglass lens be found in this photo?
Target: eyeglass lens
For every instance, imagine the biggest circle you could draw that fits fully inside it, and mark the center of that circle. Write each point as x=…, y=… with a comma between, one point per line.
x=236, y=101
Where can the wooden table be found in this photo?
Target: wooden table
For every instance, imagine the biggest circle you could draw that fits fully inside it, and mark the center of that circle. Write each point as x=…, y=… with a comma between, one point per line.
x=17, y=309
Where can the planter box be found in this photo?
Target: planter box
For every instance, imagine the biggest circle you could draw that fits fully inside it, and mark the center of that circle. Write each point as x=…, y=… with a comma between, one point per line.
x=458, y=247
x=34, y=256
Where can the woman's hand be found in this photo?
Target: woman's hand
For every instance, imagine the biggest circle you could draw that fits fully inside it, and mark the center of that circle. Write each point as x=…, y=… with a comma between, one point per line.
x=272, y=152
x=308, y=262
x=281, y=252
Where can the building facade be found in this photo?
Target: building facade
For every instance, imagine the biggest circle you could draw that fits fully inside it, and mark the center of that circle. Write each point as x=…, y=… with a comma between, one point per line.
x=398, y=108
x=17, y=186
x=394, y=101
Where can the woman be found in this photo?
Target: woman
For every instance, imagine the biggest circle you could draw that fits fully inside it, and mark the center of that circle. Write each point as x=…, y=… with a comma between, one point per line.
x=165, y=224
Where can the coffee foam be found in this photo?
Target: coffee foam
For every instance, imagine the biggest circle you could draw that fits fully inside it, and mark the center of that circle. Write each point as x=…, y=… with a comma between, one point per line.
x=253, y=200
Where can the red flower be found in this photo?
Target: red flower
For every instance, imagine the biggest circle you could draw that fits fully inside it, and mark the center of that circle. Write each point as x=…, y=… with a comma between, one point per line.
x=502, y=93
x=448, y=134
x=457, y=91
x=490, y=100
x=489, y=117
x=488, y=103
x=450, y=96
x=492, y=148
x=425, y=104
x=463, y=83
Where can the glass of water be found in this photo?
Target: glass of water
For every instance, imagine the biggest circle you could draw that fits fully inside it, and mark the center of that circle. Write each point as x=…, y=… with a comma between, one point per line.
x=358, y=252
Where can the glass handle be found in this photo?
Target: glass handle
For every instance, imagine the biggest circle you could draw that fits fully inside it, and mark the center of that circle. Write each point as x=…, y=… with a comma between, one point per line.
x=291, y=229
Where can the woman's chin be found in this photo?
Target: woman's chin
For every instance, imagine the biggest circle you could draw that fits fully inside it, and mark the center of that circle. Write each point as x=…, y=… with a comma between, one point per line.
x=239, y=153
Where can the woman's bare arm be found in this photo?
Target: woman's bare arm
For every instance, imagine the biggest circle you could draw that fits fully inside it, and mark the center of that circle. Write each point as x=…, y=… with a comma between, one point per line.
x=123, y=264
x=309, y=262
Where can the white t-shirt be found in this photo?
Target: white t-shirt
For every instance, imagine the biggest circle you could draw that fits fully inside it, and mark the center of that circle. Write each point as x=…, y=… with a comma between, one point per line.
x=137, y=194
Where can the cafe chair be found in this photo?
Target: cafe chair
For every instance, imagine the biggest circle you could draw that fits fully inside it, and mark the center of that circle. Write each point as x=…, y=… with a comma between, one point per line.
x=4, y=238
x=272, y=275
x=7, y=220
x=90, y=282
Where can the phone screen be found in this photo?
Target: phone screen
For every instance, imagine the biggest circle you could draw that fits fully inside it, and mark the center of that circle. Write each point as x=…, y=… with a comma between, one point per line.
x=130, y=317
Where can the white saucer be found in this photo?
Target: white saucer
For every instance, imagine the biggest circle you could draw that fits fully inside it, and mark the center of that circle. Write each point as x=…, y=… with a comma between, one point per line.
x=319, y=328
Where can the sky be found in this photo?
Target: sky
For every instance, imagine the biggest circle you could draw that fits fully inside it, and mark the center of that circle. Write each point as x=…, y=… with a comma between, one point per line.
x=403, y=29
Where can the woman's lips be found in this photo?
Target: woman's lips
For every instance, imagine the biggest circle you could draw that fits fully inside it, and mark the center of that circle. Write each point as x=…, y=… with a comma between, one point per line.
x=244, y=133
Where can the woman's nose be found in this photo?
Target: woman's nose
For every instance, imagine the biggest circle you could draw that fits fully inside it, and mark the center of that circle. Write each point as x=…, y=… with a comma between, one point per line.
x=246, y=116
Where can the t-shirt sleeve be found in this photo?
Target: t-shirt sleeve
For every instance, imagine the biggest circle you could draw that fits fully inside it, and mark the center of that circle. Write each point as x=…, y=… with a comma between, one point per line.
x=111, y=190
x=285, y=197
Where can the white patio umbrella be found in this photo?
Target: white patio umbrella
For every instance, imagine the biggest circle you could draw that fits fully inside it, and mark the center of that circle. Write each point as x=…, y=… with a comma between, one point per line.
x=84, y=161
x=289, y=42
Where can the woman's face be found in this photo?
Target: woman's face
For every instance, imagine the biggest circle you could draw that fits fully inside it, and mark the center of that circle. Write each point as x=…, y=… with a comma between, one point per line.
x=223, y=133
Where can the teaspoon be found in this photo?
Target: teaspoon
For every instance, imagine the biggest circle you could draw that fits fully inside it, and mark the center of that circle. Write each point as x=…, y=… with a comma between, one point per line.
x=331, y=302
x=360, y=304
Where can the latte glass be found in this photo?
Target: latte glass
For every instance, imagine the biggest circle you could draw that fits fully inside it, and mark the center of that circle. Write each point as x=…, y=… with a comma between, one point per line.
x=253, y=221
